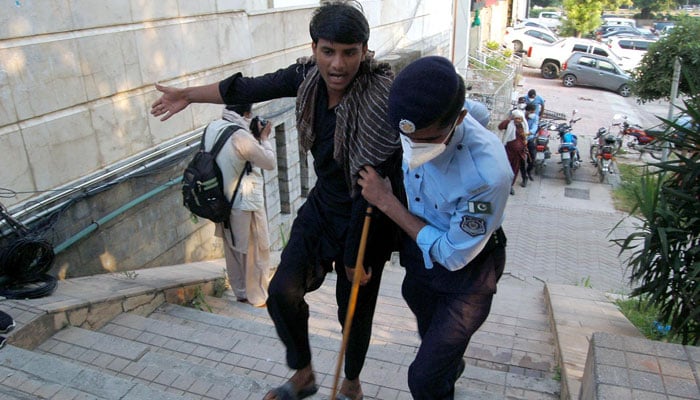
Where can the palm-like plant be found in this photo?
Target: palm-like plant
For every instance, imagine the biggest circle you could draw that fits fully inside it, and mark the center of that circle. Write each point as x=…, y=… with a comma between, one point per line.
x=664, y=251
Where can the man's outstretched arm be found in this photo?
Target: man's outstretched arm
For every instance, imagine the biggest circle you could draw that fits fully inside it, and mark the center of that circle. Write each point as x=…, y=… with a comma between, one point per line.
x=174, y=100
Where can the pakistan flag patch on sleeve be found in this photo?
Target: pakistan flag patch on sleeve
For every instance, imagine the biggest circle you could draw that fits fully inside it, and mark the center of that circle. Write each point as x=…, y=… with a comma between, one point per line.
x=479, y=207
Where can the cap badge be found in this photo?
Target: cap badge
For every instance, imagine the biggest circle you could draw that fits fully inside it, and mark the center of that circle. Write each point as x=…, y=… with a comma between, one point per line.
x=407, y=127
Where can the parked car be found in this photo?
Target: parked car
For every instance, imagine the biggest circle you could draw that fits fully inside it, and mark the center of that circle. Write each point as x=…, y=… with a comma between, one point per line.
x=632, y=48
x=612, y=20
x=658, y=26
x=666, y=30
x=595, y=71
x=629, y=32
x=550, y=57
x=607, y=29
x=522, y=38
x=550, y=19
x=533, y=24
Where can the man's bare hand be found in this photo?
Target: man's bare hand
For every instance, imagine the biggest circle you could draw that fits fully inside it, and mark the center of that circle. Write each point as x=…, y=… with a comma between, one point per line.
x=170, y=103
x=364, y=278
x=375, y=189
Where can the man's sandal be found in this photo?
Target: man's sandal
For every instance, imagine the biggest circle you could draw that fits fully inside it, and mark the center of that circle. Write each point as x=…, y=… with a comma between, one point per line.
x=286, y=392
x=341, y=396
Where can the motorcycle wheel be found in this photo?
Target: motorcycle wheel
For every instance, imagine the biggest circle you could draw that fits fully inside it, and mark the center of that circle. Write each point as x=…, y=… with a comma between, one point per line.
x=594, y=152
x=655, y=154
x=601, y=174
x=656, y=149
x=539, y=168
x=567, y=173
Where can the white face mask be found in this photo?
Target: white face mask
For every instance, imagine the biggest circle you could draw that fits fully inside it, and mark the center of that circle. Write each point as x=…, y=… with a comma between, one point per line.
x=531, y=115
x=521, y=106
x=417, y=154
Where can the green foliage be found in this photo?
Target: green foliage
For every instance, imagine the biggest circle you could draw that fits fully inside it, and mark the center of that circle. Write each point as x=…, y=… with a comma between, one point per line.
x=493, y=45
x=664, y=250
x=499, y=57
x=654, y=76
x=545, y=3
x=557, y=373
x=644, y=315
x=582, y=16
x=199, y=301
x=220, y=285
x=649, y=6
x=624, y=195
x=586, y=282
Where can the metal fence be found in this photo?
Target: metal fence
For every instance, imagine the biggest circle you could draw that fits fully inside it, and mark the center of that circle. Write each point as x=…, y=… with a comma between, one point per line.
x=491, y=78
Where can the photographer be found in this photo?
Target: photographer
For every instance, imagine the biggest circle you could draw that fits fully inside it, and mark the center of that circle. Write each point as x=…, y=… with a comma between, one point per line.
x=247, y=242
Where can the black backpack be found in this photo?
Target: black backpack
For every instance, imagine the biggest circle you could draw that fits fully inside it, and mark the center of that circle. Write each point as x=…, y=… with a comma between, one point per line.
x=202, y=183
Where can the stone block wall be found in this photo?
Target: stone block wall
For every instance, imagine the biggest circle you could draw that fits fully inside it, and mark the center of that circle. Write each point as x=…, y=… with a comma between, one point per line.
x=76, y=83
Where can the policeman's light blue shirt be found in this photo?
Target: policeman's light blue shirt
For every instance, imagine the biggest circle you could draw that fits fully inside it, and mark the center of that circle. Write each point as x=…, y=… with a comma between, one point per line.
x=538, y=101
x=532, y=124
x=461, y=194
x=478, y=111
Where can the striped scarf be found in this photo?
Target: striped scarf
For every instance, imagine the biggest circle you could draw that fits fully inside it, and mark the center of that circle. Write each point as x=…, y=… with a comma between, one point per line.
x=363, y=135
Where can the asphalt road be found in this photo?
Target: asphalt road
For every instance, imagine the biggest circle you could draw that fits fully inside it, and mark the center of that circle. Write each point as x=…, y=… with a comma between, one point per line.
x=595, y=107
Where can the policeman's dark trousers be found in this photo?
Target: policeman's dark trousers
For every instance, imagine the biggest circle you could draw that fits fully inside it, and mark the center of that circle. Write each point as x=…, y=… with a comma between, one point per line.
x=446, y=323
x=290, y=312
x=532, y=150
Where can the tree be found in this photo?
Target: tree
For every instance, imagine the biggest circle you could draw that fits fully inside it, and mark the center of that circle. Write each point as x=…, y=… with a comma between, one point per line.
x=583, y=16
x=646, y=7
x=654, y=76
x=665, y=247
x=545, y=3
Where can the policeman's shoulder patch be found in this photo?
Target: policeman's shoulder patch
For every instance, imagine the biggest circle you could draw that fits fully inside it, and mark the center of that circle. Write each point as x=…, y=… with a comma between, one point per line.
x=473, y=226
x=479, y=190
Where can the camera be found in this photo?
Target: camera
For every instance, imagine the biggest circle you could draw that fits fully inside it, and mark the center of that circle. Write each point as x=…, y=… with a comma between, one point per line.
x=254, y=126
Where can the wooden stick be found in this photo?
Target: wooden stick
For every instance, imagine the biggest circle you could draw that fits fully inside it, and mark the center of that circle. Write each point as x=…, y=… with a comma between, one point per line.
x=357, y=277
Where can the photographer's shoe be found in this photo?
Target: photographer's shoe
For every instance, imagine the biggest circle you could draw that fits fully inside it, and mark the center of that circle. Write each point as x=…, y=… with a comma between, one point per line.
x=7, y=324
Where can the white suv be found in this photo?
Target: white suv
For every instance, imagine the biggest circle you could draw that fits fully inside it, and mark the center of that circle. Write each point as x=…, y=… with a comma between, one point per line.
x=550, y=57
x=630, y=48
x=550, y=19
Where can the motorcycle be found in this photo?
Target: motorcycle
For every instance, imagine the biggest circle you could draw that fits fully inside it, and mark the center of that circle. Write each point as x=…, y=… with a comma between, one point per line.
x=638, y=138
x=603, y=150
x=570, y=158
x=542, y=152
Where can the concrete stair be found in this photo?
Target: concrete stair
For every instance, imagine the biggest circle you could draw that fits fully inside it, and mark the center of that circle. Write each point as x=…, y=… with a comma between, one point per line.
x=176, y=352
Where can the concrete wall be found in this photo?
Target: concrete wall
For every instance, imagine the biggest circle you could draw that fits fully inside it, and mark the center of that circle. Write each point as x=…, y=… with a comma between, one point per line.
x=76, y=82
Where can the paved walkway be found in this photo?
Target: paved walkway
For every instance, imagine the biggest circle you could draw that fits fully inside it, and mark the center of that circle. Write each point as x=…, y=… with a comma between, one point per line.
x=553, y=238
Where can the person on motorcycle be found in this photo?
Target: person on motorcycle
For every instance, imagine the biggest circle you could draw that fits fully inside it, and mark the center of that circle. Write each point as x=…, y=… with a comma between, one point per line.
x=569, y=137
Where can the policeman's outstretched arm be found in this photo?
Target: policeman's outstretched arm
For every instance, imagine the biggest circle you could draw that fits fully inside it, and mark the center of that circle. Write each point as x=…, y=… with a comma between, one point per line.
x=174, y=100
x=377, y=191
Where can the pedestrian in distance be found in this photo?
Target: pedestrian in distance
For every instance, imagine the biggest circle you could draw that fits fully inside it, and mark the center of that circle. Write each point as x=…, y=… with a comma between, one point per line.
x=515, y=141
x=246, y=240
x=537, y=100
x=456, y=178
x=533, y=122
x=341, y=94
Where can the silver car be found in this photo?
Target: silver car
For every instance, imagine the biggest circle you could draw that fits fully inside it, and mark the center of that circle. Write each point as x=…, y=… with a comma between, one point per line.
x=596, y=71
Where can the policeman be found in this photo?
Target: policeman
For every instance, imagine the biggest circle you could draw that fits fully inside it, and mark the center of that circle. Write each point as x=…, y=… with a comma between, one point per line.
x=457, y=181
